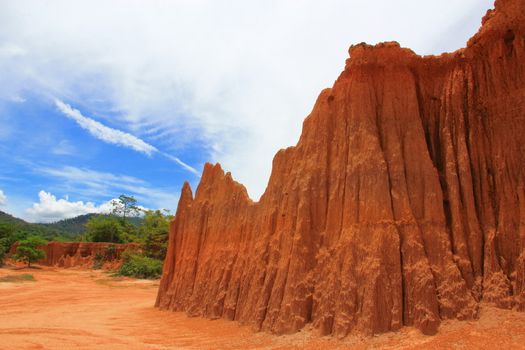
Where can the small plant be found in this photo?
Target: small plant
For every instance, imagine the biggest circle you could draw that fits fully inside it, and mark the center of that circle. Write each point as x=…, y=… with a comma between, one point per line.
x=2, y=255
x=98, y=261
x=18, y=278
x=111, y=252
x=140, y=266
x=28, y=250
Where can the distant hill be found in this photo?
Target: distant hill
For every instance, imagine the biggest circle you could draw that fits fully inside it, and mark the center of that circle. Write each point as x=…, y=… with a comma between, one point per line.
x=69, y=229
x=77, y=224
x=43, y=230
x=73, y=226
x=7, y=218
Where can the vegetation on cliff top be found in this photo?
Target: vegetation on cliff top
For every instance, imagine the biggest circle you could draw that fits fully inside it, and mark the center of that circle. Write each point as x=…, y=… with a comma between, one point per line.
x=123, y=225
x=29, y=251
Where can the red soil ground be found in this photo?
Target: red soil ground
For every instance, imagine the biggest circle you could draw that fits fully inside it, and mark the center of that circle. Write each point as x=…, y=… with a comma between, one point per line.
x=79, y=309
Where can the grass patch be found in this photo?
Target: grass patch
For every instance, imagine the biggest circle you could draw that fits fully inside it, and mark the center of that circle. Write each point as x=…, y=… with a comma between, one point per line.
x=140, y=266
x=26, y=277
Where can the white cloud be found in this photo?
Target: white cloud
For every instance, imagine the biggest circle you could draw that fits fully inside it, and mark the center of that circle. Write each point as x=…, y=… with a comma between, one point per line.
x=17, y=99
x=240, y=82
x=64, y=148
x=3, y=198
x=50, y=209
x=182, y=164
x=92, y=183
x=113, y=136
x=105, y=133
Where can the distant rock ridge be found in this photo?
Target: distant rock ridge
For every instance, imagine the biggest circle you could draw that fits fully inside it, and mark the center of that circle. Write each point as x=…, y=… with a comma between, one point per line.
x=403, y=203
x=82, y=254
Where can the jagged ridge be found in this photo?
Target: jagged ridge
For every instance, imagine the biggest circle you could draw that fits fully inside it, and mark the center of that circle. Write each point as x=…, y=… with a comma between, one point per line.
x=403, y=202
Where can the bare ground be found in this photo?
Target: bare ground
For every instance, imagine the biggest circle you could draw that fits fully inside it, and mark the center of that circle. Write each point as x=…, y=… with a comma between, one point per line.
x=79, y=309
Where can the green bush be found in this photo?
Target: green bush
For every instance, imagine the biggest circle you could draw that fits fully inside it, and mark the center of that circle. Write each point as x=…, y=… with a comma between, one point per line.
x=3, y=253
x=104, y=229
x=154, y=231
x=29, y=251
x=8, y=236
x=110, y=253
x=140, y=266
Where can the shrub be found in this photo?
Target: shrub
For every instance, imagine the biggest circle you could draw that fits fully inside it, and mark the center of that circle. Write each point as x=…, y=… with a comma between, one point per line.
x=2, y=255
x=154, y=230
x=110, y=253
x=98, y=261
x=104, y=229
x=140, y=266
x=28, y=250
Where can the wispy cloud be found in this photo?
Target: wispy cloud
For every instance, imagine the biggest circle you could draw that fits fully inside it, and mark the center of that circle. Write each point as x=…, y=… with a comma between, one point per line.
x=91, y=178
x=64, y=148
x=3, y=198
x=181, y=163
x=117, y=137
x=249, y=99
x=104, y=133
x=92, y=183
x=17, y=99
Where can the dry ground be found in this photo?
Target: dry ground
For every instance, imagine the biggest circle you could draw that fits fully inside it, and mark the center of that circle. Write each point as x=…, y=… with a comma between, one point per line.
x=75, y=309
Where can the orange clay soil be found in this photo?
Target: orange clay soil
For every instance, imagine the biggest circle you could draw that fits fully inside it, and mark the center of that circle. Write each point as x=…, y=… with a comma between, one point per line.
x=79, y=309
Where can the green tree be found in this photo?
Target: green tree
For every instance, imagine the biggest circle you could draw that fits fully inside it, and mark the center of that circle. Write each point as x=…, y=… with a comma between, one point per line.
x=9, y=234
x=154, y=231
x=28, y=250
x=3, y=253
x=6, y=236
x=104, y=229
x=125, y=206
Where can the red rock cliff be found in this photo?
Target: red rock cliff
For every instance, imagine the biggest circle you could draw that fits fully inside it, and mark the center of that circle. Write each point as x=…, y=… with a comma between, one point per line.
x=403, y=202
x=82, y=254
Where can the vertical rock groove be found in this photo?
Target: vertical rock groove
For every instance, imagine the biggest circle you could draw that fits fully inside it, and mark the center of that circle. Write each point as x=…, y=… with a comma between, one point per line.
x=403, y=203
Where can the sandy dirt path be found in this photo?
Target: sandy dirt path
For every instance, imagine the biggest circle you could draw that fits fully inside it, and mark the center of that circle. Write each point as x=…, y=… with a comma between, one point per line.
x=75, y=309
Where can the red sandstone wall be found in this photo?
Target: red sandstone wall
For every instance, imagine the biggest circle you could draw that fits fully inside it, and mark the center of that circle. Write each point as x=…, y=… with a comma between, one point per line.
x=72, y=254
x=403, y=203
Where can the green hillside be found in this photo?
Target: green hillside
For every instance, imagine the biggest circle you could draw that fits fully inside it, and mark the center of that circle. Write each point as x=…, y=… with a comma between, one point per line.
x=74, y=226
x=67, y=229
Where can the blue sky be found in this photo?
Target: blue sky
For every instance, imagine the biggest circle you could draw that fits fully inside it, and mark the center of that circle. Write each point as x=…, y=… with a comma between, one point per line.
x=101, y=98
x=56, y=155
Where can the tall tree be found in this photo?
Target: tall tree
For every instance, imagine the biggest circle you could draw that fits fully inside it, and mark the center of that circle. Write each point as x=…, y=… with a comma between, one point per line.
x=154, y=230
x=125, y=206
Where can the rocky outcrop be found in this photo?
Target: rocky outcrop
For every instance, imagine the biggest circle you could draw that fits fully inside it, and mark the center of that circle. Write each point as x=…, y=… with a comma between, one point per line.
x=82, y=254
x=403, y=203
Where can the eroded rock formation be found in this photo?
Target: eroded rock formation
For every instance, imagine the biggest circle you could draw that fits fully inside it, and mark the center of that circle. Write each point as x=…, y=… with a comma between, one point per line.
x=403, y=202
x=82, y=254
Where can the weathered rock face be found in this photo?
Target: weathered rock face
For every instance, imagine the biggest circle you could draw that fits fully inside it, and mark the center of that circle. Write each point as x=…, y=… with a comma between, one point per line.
x=403, y=202
x=81, y=254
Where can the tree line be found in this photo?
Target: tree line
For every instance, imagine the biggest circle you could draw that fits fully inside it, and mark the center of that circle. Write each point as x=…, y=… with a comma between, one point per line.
x=117, y=227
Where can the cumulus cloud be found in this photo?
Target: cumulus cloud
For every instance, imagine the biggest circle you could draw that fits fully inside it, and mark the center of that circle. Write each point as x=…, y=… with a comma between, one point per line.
x=51, y=209
x=92, y=183
x=3, y=198
x=105, y=133
x=240, y=83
